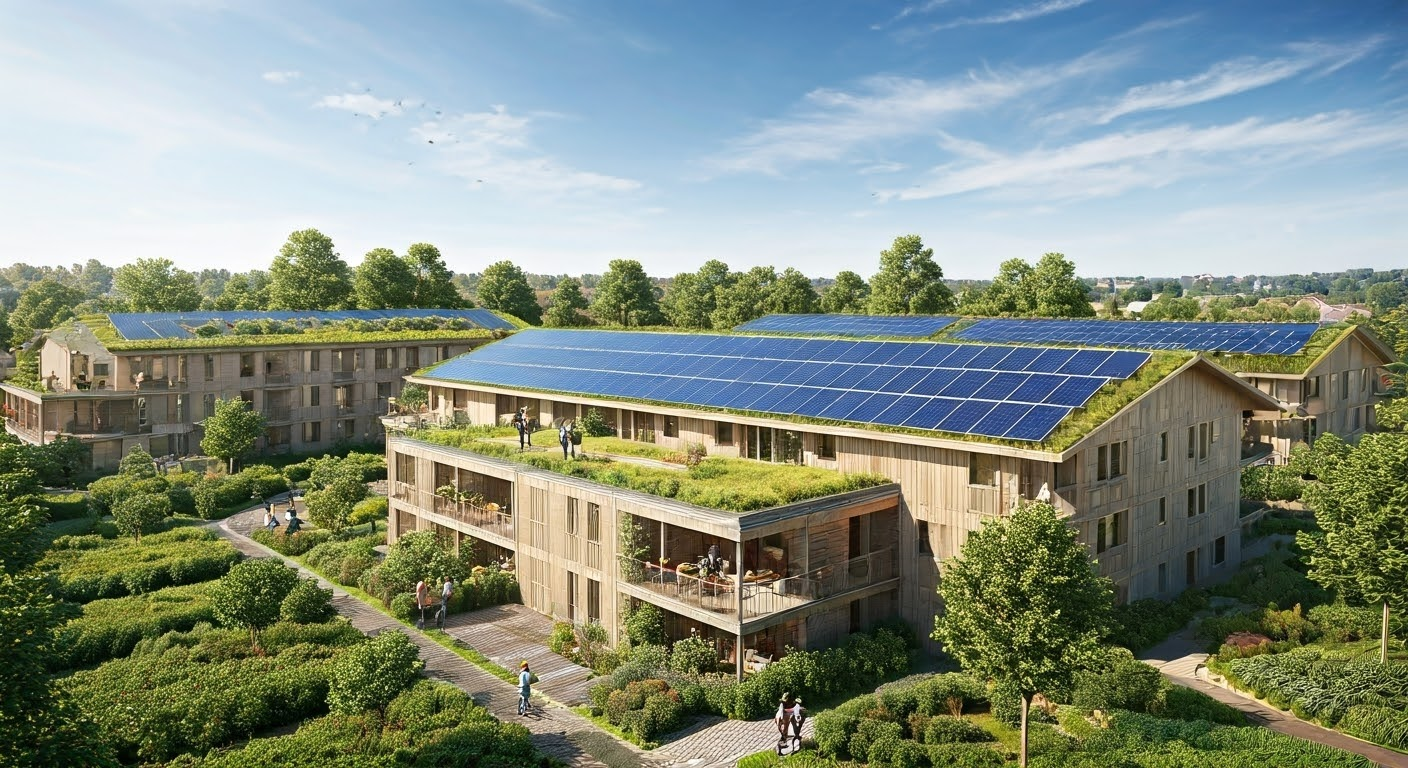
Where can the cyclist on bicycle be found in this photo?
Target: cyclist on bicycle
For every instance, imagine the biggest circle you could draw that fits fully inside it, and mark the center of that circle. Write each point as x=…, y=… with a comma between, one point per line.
x=525, y=688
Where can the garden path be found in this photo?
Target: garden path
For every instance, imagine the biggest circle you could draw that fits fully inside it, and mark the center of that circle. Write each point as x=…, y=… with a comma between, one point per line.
x=1181, y=659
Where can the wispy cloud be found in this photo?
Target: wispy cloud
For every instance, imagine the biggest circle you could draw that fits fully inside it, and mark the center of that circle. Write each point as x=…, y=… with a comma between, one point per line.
x=831, y=123
x=913, y=10
x=1159, y=25
x=1020, y=13
x=1236, y=76
x=362, y=104
x=493, y=149
x=1120, y=162
x=884, y=166
x=279, y=78
x=537, y=9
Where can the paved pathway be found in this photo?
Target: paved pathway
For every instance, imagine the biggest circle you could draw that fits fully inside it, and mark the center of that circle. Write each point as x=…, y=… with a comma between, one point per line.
x=1181, y=659
x=714, y=742
x=508, y=634
x=556, y=731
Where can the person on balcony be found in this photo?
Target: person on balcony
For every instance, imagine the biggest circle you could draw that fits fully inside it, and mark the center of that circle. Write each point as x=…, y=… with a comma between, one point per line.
x=714, y=561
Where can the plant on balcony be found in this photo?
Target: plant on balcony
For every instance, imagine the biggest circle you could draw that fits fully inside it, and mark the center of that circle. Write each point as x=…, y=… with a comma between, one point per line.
x=631, y=541
x=413, y=397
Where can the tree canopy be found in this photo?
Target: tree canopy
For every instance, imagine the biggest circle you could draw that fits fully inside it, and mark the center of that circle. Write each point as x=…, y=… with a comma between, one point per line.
x=231, y=431
x=42, y=306
x=251, y=594
x=433, y=282
x=1023, y=604
x=504, y=287
x=566, y=305
x=383, y=281
x=308, y=274
x=909, y=281
x=693, y=296
x=1048, y=289
x=156, y=285
x=248, y=290
x=849, y=295
x=625, y=295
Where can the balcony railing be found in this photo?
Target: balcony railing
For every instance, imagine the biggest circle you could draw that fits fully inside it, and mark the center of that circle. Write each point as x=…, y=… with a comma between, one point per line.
x=278, y=412
x=344, y=375
x=276, y=378
x=760, y=597
x=494, y=518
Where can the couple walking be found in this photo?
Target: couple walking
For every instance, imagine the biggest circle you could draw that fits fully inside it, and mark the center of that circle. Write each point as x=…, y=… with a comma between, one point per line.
x=790, y=715
x=423, y=600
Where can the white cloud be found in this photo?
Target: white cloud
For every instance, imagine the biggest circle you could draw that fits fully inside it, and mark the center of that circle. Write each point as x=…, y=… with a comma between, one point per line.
x=492, y=149
x=363, y=104
x=1120, y=162
x=1021, y=13
x=831, y=123
x=281, y=77
x=883, y=166
x=1236, y=76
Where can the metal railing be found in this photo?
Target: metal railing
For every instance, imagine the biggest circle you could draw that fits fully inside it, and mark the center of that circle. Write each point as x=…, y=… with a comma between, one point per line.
x=278, y=412
x=498, y=521
x=344, y=375
x=276, y=378
x=760, y=597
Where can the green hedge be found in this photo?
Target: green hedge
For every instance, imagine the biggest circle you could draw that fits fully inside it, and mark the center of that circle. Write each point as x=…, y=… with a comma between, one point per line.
x=1145, y=623
x=428, y=724
x=111, y=628
x=92, y=567
x=291, y=544
x=66, y=506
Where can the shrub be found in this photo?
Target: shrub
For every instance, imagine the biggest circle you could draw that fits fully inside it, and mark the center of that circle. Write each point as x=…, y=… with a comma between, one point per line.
x=140, y=513
x=66, y=506
x=264, y=481
x=1187, y=704
x=867, y=733
x=403, y=607
x=864, y=661
x=369, y=675
x=953, y=730
x=292, y=545
x=661, y=714
x=1121, y=682
x=693, y=655
x=94, y=567
x=951, y=693
x=646, y=624
x=1272, y=579
x=307, y=603
x=1381, y=725
x=834, y=727
x=562, y=638
x=965, y=756
x=112, y=628
x=1340, y=623
x=369, y=511
x=1144, y=623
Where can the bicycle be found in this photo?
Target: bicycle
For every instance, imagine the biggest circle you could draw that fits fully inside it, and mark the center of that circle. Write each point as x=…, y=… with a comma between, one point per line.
x=525, y=706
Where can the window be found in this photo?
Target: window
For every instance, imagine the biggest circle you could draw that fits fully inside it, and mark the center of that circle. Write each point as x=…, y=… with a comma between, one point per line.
x=1344, y=385
x=572, y=597
x=246, y=364
x=1109, y=461
x=141, y=410
x=1219, y=550
x=1312, y=387
x=1192, y=441
x=593, y=521
x=1308, y=430
x=445, y=352
x=571, y=516
x=180, y=409
x=723, y=433
x=1066, y=473
x=1204, y=440
x=384, y=389
x=381, y=358
x=208, y=405
x=100, y=369
x=826, y=446
x=315, y=360
x=1110, y=531
x=1354, y=419
x=1197, y=500
x=347, y=429
x=1163, y=446
x=593, y=600
x=312, y=432
x=922, y=538
x=1363, y=380
x=1190, y=567
x=672, y=426
x=982, y=469
x=210, y=367
x=1163, y=577
x=314, y=395
x=1163, y=510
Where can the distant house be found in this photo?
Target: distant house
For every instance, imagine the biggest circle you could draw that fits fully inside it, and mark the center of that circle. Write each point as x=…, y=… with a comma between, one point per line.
x=1334, y=313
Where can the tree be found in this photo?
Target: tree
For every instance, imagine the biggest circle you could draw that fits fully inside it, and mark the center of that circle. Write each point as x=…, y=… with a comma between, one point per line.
x=137, y=464
x=1362, y=512
x=94, y=278
x=251, y=595
x=337, y=487
x=505, y=288
x=792, y=294
x=414, y=397
x=384, y=281
x=1140, y=292
x=156, y=285
x=420, y=554
x=1058, y=292
x=42, y=306
x=141, y=512
x=1382, y=297
x=909, y=281
x=625, y=296
x=849, y=295
x=1168, y=307
x=566, y=305
x=249, y=290
x=693, y=296
x=5, y=331
x=308, y=274
x=1023, y=605
x=1048, y=289
x=744, y=298
x=369, y=675
x=434, y=286
x=231, y=431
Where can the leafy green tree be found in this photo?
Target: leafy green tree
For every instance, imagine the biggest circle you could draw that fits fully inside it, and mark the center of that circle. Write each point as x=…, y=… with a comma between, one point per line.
x=63, y=459
x=383, y=281
x=1382, y=297
x=693, y=296
x=566, y=305
x=433, y=281
x=849, y=295
x=792, y=294
x=504, y=287
x=419, y=554
x=251, y=595
x=308, y=274
x=414, y=396
x=5, y=331
x=231, y=431
x=369, y=675
x=42, y=306
x=94, y=278
x=249, y=290
x=909, y=281
x=156, y=285
x=1360, y=506
x=137, y=464
x=1023, y=605
x=337, y=487
x=625, y=295
x=1168, y=307
x=744, y=298
x=1139, y=292
x=307, y=603
x=1059, y=293
x=141, y=512
x=1048, y=289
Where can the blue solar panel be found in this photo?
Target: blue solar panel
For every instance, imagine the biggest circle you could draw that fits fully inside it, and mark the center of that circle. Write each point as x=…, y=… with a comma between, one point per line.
x=962, y=388
x=134, y=326
x=1243, y=338
x=914, y=326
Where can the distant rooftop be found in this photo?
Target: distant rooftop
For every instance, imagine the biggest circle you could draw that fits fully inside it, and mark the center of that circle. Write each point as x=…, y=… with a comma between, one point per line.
x=146, y=326
x=916, y=326
x=1236, y=338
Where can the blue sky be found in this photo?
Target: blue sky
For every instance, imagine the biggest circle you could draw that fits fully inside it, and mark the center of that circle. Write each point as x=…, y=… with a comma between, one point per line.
x=1156, y=138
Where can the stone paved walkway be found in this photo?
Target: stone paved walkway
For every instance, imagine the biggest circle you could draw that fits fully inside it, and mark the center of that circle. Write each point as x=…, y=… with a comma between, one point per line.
x=1181, y=659
x=508, y=634
x=714, y=742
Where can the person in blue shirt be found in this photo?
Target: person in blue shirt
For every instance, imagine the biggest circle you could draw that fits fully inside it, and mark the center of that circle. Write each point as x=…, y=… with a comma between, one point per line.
x=525, y=688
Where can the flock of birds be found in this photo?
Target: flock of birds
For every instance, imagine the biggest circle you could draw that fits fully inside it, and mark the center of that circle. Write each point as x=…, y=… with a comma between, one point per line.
x=424, y=108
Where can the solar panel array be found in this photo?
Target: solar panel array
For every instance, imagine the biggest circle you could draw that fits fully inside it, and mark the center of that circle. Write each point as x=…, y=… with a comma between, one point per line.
x=917, y=326
x=135, y=326
x=1018, y=393
x=1243, y=338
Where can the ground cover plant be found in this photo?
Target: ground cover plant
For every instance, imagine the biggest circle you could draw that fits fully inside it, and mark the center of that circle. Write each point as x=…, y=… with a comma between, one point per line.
x=111, y=628
x=92, y=567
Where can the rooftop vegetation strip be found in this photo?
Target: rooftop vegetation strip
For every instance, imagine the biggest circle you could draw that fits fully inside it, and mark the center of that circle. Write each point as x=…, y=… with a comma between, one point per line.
x=730, y=485
x=1104, y=404
x=331, y=333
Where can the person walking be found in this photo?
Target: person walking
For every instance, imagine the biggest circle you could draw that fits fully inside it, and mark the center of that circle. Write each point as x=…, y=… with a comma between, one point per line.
x=564, y=436
x=799, y=716
x=445, y=592
x=783, y=718
x=525, y=435
x=525, y=688
x=422, y=600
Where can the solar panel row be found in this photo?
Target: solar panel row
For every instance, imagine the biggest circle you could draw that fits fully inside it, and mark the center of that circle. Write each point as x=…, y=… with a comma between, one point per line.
x=1244, y=338
x=172, y=325
x=917, y=326
x=1019, y=393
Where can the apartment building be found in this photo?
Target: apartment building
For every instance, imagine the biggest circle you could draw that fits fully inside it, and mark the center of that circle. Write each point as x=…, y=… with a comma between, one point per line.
x=1140, y=450
x=124, y=380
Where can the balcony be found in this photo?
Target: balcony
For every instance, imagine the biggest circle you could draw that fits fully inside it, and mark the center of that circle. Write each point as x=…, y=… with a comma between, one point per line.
x=274, y=379
x=761, y=597
x=344, y=375
x=490, y=516
x=278, y=413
